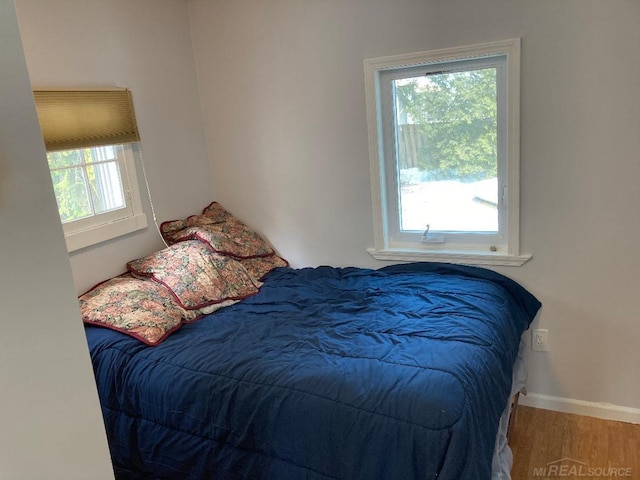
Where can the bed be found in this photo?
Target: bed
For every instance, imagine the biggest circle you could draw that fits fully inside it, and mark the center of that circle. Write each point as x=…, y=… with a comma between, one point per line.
x=404, y=372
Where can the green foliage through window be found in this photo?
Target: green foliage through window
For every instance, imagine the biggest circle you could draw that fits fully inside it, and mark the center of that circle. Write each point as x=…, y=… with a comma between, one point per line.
x=447, y=124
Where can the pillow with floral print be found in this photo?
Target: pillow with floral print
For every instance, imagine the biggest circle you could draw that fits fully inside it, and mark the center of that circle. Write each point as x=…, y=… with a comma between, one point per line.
x=232, y=238
x=170, y=229
x=196, y=275
x=258, y=267
x=223, y=232
x=140, y=308
x=212, y=214
x=217, y=212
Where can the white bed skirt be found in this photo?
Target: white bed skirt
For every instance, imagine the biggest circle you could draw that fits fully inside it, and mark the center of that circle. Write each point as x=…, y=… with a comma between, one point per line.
x=502, y=455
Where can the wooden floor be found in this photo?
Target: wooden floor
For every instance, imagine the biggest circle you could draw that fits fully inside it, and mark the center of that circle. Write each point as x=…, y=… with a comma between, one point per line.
x=548, y=444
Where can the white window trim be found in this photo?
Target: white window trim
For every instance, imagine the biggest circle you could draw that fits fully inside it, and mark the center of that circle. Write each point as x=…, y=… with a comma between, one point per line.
x=383, y=249
x=133, y=218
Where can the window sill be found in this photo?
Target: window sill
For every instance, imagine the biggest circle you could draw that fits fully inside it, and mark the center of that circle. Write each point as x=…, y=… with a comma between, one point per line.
x=102, y=233
x=450, y=256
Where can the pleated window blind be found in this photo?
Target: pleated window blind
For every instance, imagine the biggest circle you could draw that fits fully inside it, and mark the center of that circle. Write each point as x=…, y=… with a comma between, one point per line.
x=72, y=119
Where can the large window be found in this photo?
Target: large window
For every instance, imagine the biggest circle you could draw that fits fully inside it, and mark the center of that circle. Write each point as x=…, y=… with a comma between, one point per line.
x=92, y=142
x=444, y=152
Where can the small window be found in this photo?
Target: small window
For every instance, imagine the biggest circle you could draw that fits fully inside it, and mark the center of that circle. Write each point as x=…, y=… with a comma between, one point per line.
x=444, y=154
x=91, y=139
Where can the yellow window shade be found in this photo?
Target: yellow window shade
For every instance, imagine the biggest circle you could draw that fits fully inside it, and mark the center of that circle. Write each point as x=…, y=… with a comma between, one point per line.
x=72, y=119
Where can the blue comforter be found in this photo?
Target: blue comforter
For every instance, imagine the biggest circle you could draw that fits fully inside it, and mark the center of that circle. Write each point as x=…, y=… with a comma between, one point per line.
x=397, y=374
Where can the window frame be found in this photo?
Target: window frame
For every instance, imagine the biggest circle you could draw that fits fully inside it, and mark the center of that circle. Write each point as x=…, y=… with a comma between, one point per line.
x=388, y=114
x=108, y=225
x=501, y=249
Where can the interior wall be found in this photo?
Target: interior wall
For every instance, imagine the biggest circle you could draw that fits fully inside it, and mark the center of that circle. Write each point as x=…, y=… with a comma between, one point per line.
x=49, y=411
x=144, y=45
x=282, y=91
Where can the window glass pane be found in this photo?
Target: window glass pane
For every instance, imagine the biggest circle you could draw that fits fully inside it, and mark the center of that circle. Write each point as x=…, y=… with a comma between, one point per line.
x=106, y=187
x=446, y=150
x=66, y=158
x=70, y=186
x=87, y=181
x=104, y=154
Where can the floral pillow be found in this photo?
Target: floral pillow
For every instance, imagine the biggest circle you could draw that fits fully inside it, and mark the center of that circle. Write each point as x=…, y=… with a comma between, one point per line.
x=226, y=235
x=142, y=309
x=212, y=214
x=258, y=267
x=223, y=232
x=196, y=275
x=169, y=229
x=228, y=238
x=216, y=212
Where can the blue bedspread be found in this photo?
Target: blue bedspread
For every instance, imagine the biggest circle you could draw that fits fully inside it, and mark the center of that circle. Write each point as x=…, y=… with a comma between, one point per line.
x=399, y=373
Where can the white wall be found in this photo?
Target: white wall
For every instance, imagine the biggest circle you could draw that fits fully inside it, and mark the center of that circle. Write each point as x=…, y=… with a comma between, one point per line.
x=143, y=45
x=51, y=422
x=282, y=91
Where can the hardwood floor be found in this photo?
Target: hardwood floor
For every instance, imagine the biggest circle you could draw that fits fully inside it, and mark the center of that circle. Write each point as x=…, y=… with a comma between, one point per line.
x=548, y=444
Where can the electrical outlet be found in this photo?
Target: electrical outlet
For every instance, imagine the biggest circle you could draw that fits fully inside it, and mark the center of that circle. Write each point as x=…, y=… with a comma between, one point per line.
x=540, y=340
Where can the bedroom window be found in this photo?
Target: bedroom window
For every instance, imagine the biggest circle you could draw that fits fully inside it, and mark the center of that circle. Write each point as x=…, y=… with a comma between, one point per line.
x=444, y=151
x=91, y=139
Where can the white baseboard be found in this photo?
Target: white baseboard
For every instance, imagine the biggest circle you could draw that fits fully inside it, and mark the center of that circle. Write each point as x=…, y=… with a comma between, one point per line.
x=606, y=411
